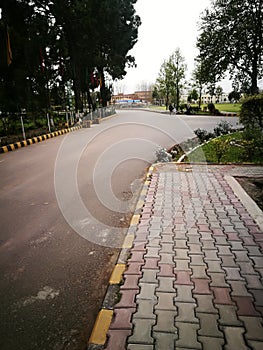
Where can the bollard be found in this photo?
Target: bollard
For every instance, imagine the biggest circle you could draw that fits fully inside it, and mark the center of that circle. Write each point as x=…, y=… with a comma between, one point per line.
x=87, y=124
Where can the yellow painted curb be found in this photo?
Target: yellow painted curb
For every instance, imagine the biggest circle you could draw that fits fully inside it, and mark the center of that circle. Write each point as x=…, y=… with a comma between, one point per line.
x=128, y=241
x=12, y=146
x=144, y=191
x=139, y=204
x=117, y=274
x=5, y=149
x=135, y=220
x=102, y=324
x=24, y=143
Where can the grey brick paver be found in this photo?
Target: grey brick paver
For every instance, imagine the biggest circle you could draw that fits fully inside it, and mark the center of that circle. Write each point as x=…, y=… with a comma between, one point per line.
x=210, y=343
x=186, y=312
x=145, y=309
x=149, y=276
x=234, y=338
x=228, y=315
x=205, y=304
x=209, y=325
x=239, y=288
x=147, y=291
x=165, y=321
x=187, y=336
x=142, y=332
x=139, y=347
x=184, y=294
x=164, y=341
x=254, y=328
x=165, y=301
x=166, y=284
x=199, y=272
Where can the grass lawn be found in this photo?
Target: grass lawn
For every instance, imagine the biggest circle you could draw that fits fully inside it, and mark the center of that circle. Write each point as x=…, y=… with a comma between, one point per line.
x=229, y=107
x=222, y=151
x=224, y=107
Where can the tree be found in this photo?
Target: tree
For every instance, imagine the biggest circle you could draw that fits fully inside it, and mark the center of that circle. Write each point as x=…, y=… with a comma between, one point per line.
x=170, y=79
x=232, y=39
x=199, y=79
x=218, y=92
x=193, y=95
x=234, y=96
x=63, y=42
x=177, y=68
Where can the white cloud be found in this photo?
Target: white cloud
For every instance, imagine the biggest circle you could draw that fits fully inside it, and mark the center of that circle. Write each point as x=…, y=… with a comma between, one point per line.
x=166, y=25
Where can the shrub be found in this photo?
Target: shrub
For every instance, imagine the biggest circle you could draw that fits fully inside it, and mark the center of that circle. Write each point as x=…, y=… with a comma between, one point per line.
x=211, y=107
x=222, y=128
x=220, y=148
x=203, y=134
x=163, y=156
x=251, y=114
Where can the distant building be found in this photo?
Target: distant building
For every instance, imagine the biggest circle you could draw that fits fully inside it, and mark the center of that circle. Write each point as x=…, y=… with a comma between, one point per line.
x=207, y=98
x=137, y=96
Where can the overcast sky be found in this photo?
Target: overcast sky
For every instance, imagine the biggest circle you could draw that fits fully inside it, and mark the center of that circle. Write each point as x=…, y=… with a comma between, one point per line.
x=166, y=25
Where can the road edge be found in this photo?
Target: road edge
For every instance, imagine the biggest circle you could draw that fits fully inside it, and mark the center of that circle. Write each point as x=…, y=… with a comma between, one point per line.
x=98, y=337
x=14, y=146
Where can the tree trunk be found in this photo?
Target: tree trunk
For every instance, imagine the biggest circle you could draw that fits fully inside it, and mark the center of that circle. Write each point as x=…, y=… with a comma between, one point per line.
x=103, y=93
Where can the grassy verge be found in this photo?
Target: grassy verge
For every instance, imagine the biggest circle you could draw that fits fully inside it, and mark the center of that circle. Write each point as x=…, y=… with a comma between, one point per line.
x=225, y=149
x=222, y=107
x=228, y=107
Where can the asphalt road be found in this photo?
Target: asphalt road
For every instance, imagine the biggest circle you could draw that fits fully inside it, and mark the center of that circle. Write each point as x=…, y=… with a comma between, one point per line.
x=65, y=205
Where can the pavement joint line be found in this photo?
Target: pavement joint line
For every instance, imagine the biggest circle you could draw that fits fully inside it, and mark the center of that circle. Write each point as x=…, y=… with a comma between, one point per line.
x=99, y=333
x=251, y=206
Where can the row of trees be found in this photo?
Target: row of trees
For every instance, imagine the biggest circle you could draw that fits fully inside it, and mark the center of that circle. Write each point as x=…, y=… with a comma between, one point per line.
x=230, y=41
x=52, y=47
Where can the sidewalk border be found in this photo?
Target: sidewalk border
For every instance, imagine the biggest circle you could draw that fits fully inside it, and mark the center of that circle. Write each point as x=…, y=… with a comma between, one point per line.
x=14, y=146
x=255, y=212
x=98, y=336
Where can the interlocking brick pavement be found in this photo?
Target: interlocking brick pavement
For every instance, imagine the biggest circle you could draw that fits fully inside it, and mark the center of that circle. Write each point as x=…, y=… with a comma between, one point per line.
x=194, y=277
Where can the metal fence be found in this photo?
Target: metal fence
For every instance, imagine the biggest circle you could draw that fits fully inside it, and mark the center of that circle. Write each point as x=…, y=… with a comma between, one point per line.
x=100, y=113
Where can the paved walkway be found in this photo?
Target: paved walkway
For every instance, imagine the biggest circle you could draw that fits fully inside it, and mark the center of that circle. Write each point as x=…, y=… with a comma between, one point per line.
x=194, y=277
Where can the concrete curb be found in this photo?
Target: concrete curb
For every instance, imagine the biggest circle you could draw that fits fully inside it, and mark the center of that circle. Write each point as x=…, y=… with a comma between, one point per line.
x=246, y=200
x=98, y=336
x=28, y=142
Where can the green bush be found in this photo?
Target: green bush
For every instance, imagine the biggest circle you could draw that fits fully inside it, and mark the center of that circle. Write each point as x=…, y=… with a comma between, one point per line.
x=251, y=115
x=222, y=128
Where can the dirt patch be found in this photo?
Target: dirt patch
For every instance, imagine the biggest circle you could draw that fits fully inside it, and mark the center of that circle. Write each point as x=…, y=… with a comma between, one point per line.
x=254, y=187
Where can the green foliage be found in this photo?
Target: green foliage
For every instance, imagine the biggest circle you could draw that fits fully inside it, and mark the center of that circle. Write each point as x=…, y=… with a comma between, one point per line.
x=251, y=114
x=211, y=107
x=222, y=128
x=203, y=135
x=61, y=45
x=234, y=96
x=231, y=36
x=230, y=148
x=171, y=75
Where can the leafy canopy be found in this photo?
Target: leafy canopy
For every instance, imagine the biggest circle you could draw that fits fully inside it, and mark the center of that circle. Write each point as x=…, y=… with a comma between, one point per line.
x=231, y=38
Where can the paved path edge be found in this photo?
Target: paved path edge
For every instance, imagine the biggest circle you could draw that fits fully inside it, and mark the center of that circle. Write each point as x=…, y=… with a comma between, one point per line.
x=246, y=200
x=98, y=336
